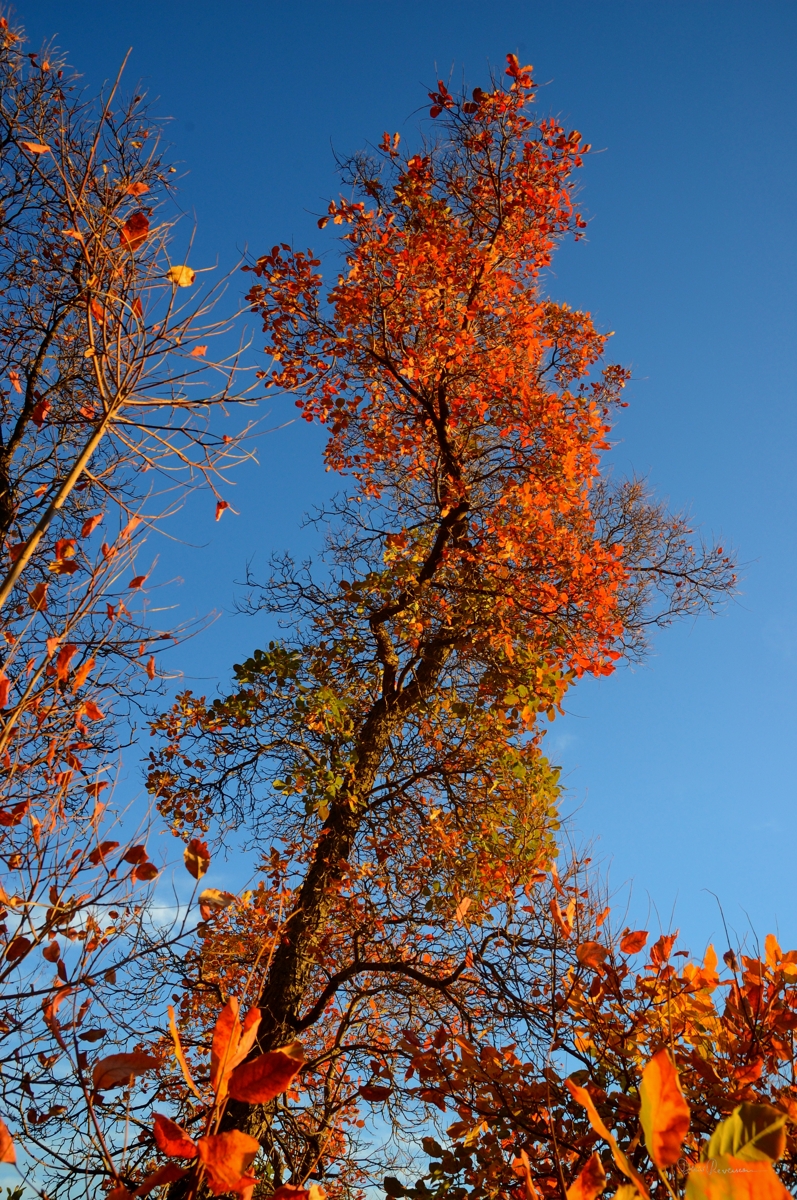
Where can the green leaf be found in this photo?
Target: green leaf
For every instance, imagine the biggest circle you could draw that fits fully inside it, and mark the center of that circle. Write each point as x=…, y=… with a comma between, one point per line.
x=753, y=1132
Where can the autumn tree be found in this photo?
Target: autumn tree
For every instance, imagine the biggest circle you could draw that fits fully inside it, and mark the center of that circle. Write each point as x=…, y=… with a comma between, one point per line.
x=108, y=404
x=386, y=757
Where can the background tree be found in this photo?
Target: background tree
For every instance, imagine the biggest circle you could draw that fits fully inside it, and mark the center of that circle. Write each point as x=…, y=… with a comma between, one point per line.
x=386, y=757
x=107, y=403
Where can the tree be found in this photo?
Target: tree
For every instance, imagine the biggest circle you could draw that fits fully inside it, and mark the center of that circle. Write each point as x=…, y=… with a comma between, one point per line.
x=386, y=756
x=108, y=404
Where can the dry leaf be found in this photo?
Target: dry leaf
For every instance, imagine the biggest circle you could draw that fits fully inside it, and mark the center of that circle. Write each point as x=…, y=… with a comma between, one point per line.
x=181, y=276
x=197, y=858
x=134, y=231
x=119, y=1070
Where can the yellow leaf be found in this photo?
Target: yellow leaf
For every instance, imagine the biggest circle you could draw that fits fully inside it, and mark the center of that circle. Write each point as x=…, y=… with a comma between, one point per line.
x=181, y=276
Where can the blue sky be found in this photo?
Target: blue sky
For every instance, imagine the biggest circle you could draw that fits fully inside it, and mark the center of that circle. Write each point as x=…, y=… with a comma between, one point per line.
x=682, y=771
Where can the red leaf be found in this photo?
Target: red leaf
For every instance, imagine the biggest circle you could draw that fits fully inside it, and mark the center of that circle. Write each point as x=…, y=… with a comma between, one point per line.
x=52, y=952
x=220, y=507
x=137, y=581
x=5, y=688
x=632, y=942
x=197, y=858
x=226, y=1158
x=7, y=1152
x=172, y=1139
x=267, y=1076
x=375, y=1091
x=592, y=955
x=134, y=231
x=17, y=948
x=118, y=1070
x=40, y=413
x=145, y=872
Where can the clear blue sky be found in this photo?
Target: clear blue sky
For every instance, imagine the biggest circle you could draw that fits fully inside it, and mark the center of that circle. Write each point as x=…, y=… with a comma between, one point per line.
x=683, y=771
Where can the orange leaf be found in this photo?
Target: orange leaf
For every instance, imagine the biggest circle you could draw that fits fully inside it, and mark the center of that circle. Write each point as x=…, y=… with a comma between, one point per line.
x=660, y=950
x=197, y=858
x=7, y=1152
x=632, y=942
x=592, y=955
x=150, y=667
x=664, y=1113
x=136, y=189
x=171, y=1139
x=521, y=1167
x=134, y=231
x=267, y=1076
x=136, y=581
x=82, y=673
x=727, y=1178
x=119, y=1070
x=90, y=524
x=226, y=1157
x=180, y=1056
x=772, y=950
x=65, y=656
x=92, y=711
x=291, y=1191
x=168, y=1173
x=226, y=1036
x=199, y=352
x=37, y=599
x=5, y=688
x=14, y=380
x=582, y=1097
x=35, y=147
x=590, y=1182
x=145, y=872
x=220, y=507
